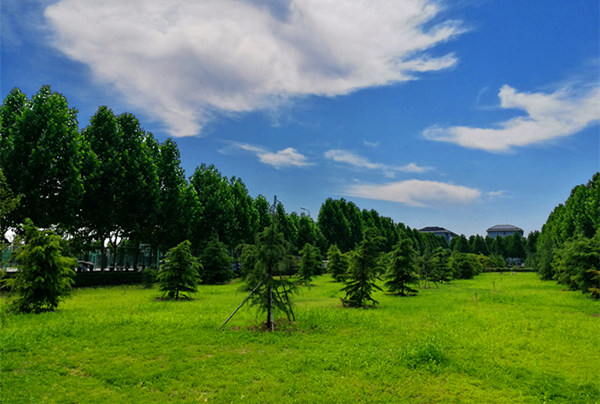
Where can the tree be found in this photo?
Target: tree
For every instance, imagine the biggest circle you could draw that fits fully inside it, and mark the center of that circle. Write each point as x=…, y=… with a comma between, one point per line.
x=216, y=199
x=464, y=265
x=362, y=272
x=172, y=221
x=440, y=272
x=310, y=263
x=334, y=225
x=179, y=272
x=263, y=208
x=337, y=264
x=577, y=261
x=45, y=275
x=460, y=244
x=122, y=189
x=8, y=203
x=401, y=269
x=573, y=222
x=271, y=292
x=217, y=263
x=245, y=214
x=42, y=155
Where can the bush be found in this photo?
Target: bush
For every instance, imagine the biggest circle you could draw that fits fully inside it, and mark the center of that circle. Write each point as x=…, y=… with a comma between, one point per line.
x=148, y=277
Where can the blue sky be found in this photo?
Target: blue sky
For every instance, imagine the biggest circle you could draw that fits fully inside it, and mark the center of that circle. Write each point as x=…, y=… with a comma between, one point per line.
x=461, y=114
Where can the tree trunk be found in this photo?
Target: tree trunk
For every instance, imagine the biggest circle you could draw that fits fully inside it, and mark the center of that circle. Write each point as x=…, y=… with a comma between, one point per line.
x=270, y=310
x=103, y=254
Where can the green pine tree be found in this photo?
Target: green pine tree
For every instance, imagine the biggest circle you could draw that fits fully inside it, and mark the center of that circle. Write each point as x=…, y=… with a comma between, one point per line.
x=216, y=263
x=362, y=273
x=337, y=264
x=45, y=275
x=269, y=260
x=401, y=270
x=179, y=272
x=310, y=263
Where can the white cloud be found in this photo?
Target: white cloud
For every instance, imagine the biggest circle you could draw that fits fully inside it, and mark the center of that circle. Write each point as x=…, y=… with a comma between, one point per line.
x=183, y=60
x=371, y=144
x=288, y=157
x=356, y=161
x=415, y=192
x=549, y=116
x=496, y=194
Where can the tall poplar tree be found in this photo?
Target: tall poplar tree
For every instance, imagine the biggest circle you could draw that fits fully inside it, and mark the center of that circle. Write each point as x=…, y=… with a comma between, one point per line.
x=42, y=155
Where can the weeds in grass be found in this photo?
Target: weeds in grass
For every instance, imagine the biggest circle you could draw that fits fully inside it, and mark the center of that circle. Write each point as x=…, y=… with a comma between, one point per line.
x=428, y=354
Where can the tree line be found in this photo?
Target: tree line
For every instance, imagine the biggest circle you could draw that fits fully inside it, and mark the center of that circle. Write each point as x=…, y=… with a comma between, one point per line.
x=568, y=247
x=112, y=182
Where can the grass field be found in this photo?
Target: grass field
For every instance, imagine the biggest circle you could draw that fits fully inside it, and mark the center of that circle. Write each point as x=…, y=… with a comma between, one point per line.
x=494, y=339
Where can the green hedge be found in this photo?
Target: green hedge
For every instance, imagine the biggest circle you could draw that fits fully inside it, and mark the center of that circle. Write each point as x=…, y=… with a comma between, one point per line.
x=509, y=269
x=97, y=278
x=88, y=279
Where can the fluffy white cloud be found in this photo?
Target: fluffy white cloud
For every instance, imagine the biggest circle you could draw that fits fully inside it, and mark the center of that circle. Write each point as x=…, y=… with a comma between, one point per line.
x=182, y=60
x=357, y=161
x=549, y=116
x=415, y=192
x=288, y=157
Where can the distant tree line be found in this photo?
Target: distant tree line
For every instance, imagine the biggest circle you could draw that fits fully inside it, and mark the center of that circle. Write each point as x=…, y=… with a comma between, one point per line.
x=568, y=247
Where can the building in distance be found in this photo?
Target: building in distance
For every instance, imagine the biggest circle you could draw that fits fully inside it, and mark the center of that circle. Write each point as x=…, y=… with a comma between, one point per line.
x=439, y=231
x=503, y=230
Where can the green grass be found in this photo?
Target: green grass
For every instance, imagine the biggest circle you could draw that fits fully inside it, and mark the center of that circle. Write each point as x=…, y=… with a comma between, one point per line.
x=525, y=341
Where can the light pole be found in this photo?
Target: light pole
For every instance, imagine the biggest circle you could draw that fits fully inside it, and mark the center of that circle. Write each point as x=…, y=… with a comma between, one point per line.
x=306, y=210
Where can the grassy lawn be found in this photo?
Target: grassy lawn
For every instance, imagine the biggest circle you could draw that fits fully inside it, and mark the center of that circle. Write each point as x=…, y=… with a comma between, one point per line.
x=494, y=339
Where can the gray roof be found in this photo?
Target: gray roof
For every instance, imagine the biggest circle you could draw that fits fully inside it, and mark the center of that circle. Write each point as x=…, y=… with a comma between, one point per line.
x=434, y=229
x=504, y=227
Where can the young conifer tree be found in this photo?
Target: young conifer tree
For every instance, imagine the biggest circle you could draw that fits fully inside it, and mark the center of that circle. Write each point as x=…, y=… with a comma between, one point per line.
x=270, y=260
x=45, y=275
x=401, y=270
x=362, y=273
x=216, y=263
x=179, y=272
x=310, y=263
x=337, y=265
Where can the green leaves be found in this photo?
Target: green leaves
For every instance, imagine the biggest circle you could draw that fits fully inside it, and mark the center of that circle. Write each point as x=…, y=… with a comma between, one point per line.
x=42, y=155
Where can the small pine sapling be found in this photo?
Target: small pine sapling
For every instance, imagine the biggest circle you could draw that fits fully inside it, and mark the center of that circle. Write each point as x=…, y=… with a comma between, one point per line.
x=362, y=273
x=45, y=275
x=310, y=263
x=337, y=265
x=179, y=272
x=401, y=269
x=216, y=263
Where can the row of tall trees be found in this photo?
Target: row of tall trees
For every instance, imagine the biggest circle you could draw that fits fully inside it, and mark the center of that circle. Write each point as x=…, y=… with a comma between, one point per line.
x=568, y=247
x=112, y=182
